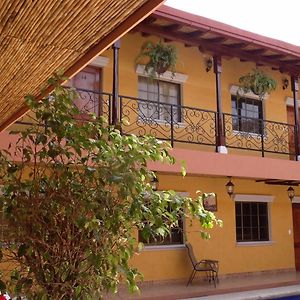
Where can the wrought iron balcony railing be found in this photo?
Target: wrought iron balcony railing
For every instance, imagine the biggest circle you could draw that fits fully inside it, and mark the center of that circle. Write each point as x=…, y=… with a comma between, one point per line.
x=259, y=135
x=94, y=102
x=183, y=124
x=174, y=123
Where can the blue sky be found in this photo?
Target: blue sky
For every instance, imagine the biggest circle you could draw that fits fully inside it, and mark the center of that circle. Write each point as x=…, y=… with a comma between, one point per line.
x=273, y=18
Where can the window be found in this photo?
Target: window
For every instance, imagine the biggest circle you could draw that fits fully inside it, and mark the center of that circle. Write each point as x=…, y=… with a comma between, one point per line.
x=248, y=115
x=174, y=238
x=252, y=222
x=155, y=92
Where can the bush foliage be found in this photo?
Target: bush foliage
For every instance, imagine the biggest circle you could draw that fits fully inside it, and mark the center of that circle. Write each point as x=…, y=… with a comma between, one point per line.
x=74, y=192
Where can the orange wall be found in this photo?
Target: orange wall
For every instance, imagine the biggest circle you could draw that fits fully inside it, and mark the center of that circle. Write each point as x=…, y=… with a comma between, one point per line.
x=162, y=264
x=199, y=89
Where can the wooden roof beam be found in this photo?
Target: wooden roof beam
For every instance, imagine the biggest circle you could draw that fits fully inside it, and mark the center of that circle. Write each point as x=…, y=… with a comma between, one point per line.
x=238, y=45
x=216, y=40
x=291, y=61
x=256, y=51
x=145, y=34
x=209, y=53
x=150, y=20
x=195, y=34
x=274, y=56
x=173, y=27
x=218, y=49
x=283, y=183
x=279, y=182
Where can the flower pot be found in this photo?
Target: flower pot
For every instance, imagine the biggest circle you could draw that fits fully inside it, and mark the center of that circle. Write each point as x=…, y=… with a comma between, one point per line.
x=257, y=90
x=161, y=68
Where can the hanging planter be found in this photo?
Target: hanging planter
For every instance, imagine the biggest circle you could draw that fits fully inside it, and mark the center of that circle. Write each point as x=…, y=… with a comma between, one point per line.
x=160, y=58
x=257, y=82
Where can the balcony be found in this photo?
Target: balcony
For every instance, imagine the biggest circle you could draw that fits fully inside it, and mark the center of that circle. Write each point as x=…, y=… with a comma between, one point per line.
x=184, y=125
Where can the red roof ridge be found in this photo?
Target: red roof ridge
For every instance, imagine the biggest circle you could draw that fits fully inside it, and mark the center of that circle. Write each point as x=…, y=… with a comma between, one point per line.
x=225, y=29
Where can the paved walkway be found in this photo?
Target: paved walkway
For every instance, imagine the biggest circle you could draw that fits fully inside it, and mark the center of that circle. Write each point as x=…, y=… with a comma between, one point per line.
x=229, y=287
x=257, y=294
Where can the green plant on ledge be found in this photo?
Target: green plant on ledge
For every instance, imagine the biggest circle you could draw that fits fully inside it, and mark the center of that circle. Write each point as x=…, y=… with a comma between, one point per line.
x=257, y=82
x=161, y=57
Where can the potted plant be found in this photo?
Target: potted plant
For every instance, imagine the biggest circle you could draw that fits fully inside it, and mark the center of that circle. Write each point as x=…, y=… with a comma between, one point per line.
x=257, y=82
x=160, y=58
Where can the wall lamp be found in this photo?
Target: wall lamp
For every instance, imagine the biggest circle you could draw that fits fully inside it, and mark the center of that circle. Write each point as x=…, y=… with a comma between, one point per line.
x=291, y=193
x=230, y=187
x=154, y=182
x=209, y=64
x=285, y=83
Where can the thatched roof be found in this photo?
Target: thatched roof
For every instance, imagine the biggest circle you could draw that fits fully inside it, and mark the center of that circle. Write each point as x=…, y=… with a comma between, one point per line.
x=37, y=37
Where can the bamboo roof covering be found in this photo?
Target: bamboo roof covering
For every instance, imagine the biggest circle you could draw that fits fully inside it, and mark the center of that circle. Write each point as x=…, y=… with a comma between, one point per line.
x=38, y=37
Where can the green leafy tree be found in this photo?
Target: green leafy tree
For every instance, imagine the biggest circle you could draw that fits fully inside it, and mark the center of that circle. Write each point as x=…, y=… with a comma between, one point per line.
x=74, y=192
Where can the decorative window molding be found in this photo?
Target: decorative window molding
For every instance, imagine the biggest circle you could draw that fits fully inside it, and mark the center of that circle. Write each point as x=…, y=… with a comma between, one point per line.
x=99, y=61
x=289, y=101
x=234, y=91
x=168, y=76
x=164, y=247
x=253, y=244
x=296, y=199
x=183, y=194
x=254, y=198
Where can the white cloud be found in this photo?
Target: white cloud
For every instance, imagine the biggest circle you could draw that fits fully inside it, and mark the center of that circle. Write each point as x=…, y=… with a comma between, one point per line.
x=273, y=18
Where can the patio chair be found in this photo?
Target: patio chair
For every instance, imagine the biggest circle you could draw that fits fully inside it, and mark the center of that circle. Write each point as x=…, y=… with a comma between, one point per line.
x=210, y=267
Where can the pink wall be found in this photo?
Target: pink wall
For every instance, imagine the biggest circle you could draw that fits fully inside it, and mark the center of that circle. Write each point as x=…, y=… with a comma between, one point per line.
x=214, y=164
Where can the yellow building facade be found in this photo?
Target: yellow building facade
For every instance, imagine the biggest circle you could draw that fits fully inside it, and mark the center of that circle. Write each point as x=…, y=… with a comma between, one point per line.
x=258, y=230
x=167, y=262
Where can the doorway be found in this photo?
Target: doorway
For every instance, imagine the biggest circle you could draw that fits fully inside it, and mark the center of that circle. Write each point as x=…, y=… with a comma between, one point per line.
x=296, y=229
x=291, y=121
x=88, y=82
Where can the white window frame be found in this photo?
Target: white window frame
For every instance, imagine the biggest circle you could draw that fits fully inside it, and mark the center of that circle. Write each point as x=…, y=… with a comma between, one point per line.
x=161, y=120
x=167, y=76
x=256, y=198
x=296, y=199
x=237, y=91
x=178, y=78
x=99, y=61
x=253, y=198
